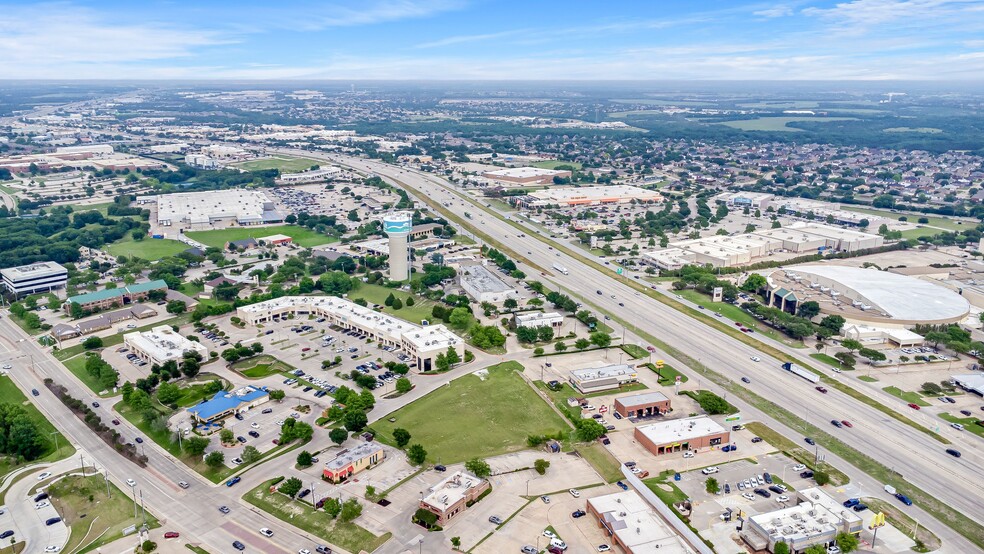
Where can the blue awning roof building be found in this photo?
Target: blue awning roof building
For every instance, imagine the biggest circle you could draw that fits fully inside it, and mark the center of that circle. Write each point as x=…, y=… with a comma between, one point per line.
x=226, y=403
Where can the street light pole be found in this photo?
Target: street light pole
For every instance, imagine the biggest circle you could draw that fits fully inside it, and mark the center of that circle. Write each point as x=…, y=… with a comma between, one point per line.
x=133, y=494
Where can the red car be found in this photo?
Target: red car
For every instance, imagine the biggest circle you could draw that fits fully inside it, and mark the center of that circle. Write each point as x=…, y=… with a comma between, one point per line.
x=171, y=535
x=914, y=406
x=847, y=423
x=821, y=389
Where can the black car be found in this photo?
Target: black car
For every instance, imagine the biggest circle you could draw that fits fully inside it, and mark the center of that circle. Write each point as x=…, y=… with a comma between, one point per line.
x=6, y=534
x=806, y=474
x=775, y=489
x=577, y=513
x=304, y=493
x=52, y=520
x=41, y=497
x=439, y=467
x=238, y=545
x=322, y=550
x=239, y=417
x=810, y=441
x=746, y=380
x=952, y=452
x=95, y=404
x=763, y=493
x=139, y=440
x=241, y=438
x=267, y=411
x=756, y=439
x=860, y=507
x=35, y=392
x=254, y=434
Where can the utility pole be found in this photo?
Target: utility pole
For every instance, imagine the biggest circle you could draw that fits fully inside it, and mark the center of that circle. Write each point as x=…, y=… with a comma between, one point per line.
x=143, y=512
x=82, y=461
x=133, y=494
x=106, y=478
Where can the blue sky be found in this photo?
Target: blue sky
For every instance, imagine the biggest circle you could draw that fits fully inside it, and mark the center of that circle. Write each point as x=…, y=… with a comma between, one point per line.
x=485, y=39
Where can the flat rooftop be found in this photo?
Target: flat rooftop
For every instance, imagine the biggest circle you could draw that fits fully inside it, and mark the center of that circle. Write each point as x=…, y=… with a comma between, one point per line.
x=635, y=524
x=524, y=172
x=31, y=271
x=536, y=316
x=596, y=193
x=645, y=398
x=614, y=370
x=451, y=490
x=162, y=342
x=483, y=280
x=351, y=455
x=676, y=430
x=797, y=523
x=203, y=207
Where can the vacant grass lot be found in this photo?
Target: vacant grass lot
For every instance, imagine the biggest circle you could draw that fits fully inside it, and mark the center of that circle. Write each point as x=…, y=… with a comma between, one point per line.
x=104, y=518
x=831, y=361
x=284, y=164
x=934, y=221
x=602, y=460
x=635, y=351
x=492, y=415
x=735, y=313
x=349, y=536
x=261, y=366
x=376, y=294
x=11, y=394
x=302, y=235
x=910, y=397
x=667, y=375
x=969, y=423
x=777, y=123
x=77, y=366
x=146, y=249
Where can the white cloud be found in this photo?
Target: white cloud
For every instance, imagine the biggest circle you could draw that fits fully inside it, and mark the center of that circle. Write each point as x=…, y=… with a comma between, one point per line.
x=462, y=39
x=775, y=11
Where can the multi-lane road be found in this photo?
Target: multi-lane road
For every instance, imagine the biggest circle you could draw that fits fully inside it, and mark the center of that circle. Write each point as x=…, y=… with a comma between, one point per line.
x=916, y=456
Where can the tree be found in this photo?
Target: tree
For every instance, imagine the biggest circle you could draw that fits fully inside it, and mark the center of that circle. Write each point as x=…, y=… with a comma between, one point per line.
x=214, y=459
x=351, y=509
x=582, y=343
x=816, y=549
x=560, y=346
x=478, y=467
x=304, y=459
x=338, y=435
x=250, y=454
x=452, y=356
x=847, y=542
x=846, y=359
x=712, y=403
x=780, y=548
x=355, y=420
x=851, y=345
x=401, y=436
x=389, y=300
x=333, y=507
x=588, y=430
x=403, y=385
x=833, y=322
x=711, y=486
x=872, y=355
x=809, y=309
x=291, y=486
x=821, y=477
x=176, y=307
x=456, y=542
x=226, y=436
x=195, y=446
x=277, y=394
x=416, y=454
x=168, y=393
x=601, y=340
x=931, y=389
x=397, y=304
x=92, y=343
x=754, y=282
x=510, y=304
x=460, y=318
x=20, y=435
x=541, y=465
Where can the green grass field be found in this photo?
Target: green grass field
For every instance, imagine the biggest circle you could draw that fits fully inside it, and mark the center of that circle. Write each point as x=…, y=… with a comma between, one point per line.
x=635, y=351
x=261, y=366
x=77, y=366
x=147, y=249
x=667, y=375
x=969, y=423
x=934, y=221
x=349, y=536
x=94, y=518
x=551, y=164
x=735, y=313
x=777, y=123
x=376, y=294
x=908, y=396
x=868, y=379
x=284, y=164
x=492, y=416
x=302, y=235
x=793, y=450
x=927, y=130
x=830, y=361
x=101, y=208
x=11, y=394
x=602, y=460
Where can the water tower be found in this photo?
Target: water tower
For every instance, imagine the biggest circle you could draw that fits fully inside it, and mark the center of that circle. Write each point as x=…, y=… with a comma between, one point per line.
x=397, y=227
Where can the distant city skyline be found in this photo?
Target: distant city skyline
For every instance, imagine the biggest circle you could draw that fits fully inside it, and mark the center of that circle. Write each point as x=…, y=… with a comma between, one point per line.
x=494, y=40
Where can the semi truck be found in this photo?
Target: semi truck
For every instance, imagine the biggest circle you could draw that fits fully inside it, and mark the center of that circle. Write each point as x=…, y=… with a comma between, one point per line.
x=561, y=269
x=804, y=373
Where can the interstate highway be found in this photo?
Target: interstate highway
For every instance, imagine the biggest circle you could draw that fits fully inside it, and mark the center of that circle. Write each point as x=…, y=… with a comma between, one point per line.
x=919, y=458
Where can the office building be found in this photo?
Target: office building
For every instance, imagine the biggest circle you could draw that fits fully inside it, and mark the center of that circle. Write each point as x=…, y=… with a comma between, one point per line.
x=633, y=525
x=162, y=344
x=423, y=344
x=816, y=518
x=526, y=175
x=225, y=404
x=602, y=378
x=539, y=319
x=450, y=497
x=484, y=285
x=312, y=176
x=350, y=461
x=114, y=298
x=678, y=435
x=37, y=277
x=397, y=227
x=587, y=196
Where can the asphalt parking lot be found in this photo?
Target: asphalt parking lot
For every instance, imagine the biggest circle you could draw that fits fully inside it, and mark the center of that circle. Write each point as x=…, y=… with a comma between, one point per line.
x=266, y=427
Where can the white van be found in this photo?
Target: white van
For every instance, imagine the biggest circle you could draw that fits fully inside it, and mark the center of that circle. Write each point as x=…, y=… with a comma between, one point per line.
x=558, y=543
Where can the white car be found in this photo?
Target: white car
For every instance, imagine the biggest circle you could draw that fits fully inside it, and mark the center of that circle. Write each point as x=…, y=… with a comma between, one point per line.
x=254, y=425
x=42, y=504
x=709, y=470
x=957, y=426
x=798, y=467
x=835, y=369
x=44, y=476
x=280, y=423
x=7, y=366
x=52, y=548
x=575, y=493
x=604, y=548
x=266, y=532
x=756, y=359
x=131, y=482
x=782, y=498
x=549, y=534
x=636, y=470
x=748, y=496
x=688, y=454
x=304, y=551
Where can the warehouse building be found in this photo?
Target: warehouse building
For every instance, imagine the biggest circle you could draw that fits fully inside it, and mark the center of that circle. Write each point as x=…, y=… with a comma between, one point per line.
x=114, y=298
x=38, y=277
x=602, y=378
x=816, y=519
x=744, y=199
x=350, y=461
x=526, y=175
x=539, y=319
x=216, y=208
x=313, y=176
x=679, y=435
x=866, y=296
x=421, y=343
x=225, y=404
x=450, y=497
x=587, y=196
x=161, y=344
x=484, y=286
x=633, y=525
x=643, y=405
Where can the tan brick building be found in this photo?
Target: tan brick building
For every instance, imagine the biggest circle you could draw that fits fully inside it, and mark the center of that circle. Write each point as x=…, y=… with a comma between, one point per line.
x=643, y=405
x=451, y=496
x=678, y=435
